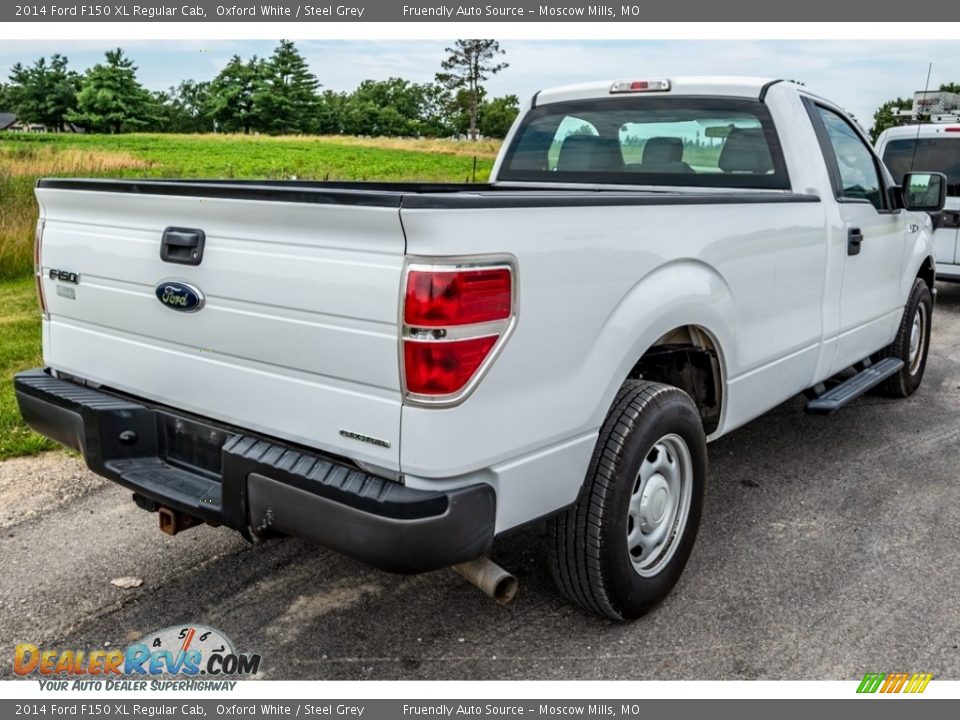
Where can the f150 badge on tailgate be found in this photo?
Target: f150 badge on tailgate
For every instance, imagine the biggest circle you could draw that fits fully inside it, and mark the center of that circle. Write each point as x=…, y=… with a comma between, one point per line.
x=180, y=296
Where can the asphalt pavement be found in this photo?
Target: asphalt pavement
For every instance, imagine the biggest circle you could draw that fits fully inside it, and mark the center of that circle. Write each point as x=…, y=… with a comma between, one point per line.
x=830, y=547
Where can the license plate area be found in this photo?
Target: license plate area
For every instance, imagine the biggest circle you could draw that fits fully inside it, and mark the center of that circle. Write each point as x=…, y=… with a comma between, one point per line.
x=193, y=445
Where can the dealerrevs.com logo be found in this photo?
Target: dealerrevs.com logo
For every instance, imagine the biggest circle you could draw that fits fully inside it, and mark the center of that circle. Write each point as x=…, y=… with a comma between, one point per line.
x=192, y=657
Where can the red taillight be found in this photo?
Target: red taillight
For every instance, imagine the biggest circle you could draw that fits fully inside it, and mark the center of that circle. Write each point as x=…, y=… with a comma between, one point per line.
x=952, y=129
x=453, y=318
x=459, y=297
x=37, y=268
x=444, y=368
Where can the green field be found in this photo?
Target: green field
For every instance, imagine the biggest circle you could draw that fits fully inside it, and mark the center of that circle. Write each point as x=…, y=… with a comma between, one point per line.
x=26, y=157
x=262, y=156
x=19, y=349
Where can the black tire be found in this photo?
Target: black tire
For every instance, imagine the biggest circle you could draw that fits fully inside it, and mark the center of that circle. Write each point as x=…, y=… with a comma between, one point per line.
x=587, y=544
x=906, y=382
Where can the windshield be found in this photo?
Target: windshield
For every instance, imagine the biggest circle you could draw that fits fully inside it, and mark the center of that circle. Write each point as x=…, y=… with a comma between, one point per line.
x=933, y=155
x=703, y=142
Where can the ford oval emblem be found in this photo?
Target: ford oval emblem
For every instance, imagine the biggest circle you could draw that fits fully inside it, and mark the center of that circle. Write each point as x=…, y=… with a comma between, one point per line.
x=180, y=296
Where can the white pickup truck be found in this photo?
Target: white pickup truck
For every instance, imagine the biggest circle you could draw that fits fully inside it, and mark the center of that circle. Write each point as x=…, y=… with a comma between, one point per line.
x=405, y=372
x=932, y=146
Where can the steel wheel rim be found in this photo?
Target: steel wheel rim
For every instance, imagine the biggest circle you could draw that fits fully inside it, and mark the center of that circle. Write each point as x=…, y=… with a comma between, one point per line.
x=918, y=332
x=659, y=505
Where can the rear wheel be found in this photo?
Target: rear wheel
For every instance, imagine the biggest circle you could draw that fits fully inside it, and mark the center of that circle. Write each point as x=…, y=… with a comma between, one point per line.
x=911, y=344
x=621, y=547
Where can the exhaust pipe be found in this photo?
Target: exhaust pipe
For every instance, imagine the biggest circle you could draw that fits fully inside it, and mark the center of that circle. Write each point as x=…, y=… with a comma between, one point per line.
x=493, y=580
x=172, y=521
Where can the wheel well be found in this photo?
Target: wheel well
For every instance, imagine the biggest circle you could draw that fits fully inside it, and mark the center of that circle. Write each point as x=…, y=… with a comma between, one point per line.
x=689, y=359
x=928, y=272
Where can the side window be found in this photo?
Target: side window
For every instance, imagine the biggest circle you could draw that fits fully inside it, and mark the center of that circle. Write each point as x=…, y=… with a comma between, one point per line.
x=859, y=178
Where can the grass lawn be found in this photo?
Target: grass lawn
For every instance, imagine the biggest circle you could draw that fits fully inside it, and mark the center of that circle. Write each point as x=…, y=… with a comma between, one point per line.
x=26, y=157
x=19, y=349
x=247, y=156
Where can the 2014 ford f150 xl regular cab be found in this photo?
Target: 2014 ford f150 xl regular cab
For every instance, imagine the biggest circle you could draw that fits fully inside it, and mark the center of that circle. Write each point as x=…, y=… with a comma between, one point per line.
x=405, y=372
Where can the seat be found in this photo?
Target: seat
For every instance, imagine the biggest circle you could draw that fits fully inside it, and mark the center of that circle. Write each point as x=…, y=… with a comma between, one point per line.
x=589, y=153
x=663, y=155
x=746, y=151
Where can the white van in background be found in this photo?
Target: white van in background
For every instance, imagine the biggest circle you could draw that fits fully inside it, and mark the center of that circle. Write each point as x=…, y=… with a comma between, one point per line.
x=937, y=145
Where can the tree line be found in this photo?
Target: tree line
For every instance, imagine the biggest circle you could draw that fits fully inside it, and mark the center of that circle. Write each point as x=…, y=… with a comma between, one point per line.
x=275, y=95
x=279, y=95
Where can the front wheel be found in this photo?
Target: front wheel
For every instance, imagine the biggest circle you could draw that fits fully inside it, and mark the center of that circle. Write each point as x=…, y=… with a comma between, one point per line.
x=621, y=547
x=911, y=344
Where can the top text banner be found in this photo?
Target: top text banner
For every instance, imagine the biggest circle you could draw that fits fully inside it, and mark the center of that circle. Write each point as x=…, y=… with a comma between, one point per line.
x=514, y=11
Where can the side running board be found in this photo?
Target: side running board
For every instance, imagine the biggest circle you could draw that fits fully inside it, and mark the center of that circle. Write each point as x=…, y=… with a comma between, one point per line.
x=849, y=390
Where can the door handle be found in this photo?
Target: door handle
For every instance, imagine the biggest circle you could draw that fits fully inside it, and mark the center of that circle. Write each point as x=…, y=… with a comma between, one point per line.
x=183, y=246
x=854, y=240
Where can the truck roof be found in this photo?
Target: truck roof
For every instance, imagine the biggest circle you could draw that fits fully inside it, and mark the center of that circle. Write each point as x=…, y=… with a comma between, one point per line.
x=925, y=130
x=721, y=85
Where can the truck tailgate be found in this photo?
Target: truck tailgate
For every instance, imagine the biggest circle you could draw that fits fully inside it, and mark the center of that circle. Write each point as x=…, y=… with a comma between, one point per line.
x=297, y=337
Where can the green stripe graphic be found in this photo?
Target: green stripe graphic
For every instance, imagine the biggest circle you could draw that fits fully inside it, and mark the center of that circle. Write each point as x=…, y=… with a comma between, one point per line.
x=871, y=682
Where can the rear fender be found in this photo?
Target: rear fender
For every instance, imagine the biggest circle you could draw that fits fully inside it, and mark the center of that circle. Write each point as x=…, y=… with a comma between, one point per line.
x=682, y=293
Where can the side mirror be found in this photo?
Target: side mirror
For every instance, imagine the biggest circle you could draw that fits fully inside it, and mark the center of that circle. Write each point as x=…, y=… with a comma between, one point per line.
x=924, y=192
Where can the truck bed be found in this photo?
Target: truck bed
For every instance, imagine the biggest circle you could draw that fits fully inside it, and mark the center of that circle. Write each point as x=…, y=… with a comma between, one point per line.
x=423, y=195
x=299, y=334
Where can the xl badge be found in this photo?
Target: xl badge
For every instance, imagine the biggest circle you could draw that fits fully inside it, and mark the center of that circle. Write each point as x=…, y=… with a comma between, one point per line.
x=180, y=296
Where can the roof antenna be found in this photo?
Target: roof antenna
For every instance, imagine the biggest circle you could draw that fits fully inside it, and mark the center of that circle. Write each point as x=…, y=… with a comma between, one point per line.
x=916, y=142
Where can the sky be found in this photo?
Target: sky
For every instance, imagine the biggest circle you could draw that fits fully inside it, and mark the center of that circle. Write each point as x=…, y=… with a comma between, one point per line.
x=859, y=75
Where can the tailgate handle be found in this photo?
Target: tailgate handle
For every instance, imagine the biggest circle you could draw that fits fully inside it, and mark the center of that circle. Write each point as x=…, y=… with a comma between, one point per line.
x=183, y=246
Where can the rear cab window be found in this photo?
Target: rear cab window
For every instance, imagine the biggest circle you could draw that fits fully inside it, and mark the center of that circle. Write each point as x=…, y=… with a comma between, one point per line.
x=684, y=141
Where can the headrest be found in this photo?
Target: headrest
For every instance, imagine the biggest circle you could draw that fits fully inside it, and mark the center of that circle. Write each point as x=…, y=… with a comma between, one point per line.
x=746, y=150
x=661, y=150
x=580, y=153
